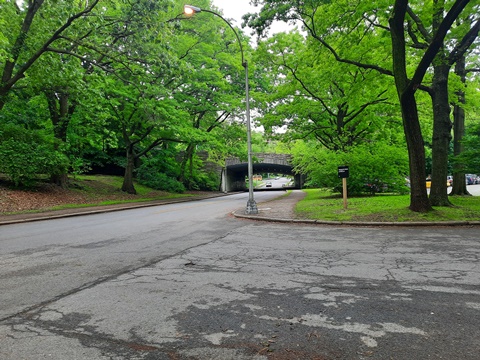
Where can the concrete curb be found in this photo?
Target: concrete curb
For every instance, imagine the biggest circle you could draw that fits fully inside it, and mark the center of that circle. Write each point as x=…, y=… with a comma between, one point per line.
x=353, y=223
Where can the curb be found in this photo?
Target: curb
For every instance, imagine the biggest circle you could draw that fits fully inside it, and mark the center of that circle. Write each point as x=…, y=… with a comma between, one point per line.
x=353, y=223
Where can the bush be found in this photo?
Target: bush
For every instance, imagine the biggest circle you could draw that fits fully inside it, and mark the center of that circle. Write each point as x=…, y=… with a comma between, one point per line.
x=204, y=181
x=160, y=181
x=27, y=153
x=149, y=174
x=373, y=168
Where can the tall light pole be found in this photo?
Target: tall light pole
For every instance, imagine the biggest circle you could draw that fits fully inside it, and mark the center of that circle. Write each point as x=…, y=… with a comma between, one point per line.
x=190, y=10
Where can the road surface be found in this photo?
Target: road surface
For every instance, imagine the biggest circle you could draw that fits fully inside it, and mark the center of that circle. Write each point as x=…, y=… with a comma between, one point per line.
x=188, y=281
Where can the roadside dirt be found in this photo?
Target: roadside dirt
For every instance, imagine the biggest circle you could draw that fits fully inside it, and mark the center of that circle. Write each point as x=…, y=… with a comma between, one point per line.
x=45, y=196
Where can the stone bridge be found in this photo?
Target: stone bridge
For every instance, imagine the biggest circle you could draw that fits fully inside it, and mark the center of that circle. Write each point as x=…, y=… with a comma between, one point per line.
x=235, y=171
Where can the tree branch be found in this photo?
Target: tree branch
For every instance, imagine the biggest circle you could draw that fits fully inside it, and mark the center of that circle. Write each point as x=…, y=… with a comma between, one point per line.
x=426, y=35
x=464, y=44
x=22, y=69
x=436, y=43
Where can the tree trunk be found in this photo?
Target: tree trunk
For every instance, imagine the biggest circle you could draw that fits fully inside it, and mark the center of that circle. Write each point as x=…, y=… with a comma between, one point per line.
x=188, y=156
x=127, y=185
x=411, y=125
x=459, y=186
x=60, y=114
x=416, y=153
x=442, y=127
x=60, y=180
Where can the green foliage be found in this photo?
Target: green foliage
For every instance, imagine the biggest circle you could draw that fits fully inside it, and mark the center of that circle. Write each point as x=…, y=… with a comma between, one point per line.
x=469, y=160
x=25, y=154
x=197, y=177
x=160, y=173
x=312, y=96
x=208, y=181
x=373, y=167
x=133, y=81
x=158, y=181
x=79, y=166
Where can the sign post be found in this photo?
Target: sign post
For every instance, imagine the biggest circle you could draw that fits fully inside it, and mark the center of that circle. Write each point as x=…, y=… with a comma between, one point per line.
x=343, y=173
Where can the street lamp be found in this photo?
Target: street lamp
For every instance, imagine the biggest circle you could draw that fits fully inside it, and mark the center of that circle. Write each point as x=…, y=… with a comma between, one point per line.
x=190, y=10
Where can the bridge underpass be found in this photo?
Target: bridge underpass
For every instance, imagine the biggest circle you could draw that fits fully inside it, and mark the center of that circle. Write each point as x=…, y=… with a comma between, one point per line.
x=235, y=171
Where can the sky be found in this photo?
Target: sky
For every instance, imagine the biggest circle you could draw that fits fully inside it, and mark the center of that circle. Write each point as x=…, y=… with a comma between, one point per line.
x=235, y=9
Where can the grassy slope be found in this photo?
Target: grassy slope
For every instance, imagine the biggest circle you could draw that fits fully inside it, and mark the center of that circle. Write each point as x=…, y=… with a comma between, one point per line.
x=84, y=191
x=111, y=184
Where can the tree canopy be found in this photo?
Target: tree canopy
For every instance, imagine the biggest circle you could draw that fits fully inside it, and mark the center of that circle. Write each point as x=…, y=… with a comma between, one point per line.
x=137, y=87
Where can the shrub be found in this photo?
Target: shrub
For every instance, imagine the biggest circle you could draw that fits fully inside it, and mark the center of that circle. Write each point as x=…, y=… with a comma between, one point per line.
x=149, y=174
x=27, y=153
x=373, y=167
x=204, y=181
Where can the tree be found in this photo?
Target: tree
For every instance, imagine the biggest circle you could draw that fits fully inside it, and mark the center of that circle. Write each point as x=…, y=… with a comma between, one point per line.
x=211, y=88
x=357, y=23
x=466, y=143
x=144, y=115
x=470, y=158
x=373, y=166
x=459, y=104
x=35, y=36
x=453, y=49
x=26, y=153
x=317, y=98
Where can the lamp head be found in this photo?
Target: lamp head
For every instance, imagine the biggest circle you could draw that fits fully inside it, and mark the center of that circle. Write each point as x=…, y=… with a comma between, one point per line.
x=190, y=10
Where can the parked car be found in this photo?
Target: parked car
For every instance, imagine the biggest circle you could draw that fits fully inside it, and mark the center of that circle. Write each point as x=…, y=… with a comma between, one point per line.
x=470, y=179
x=428, y=183
x=449, y=180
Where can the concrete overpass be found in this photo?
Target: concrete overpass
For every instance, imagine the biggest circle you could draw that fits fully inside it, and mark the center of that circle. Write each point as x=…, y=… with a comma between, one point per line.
x=235, y=171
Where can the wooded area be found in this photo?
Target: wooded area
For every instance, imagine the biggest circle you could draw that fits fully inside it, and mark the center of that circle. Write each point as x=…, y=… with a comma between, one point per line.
x=390, y=88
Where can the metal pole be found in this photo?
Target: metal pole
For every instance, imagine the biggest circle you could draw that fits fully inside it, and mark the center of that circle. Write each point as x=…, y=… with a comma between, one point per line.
x=251, y=204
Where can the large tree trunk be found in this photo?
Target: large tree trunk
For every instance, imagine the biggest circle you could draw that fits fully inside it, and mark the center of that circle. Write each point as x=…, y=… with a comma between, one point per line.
x=411, y=125
x=442, y=127
x=127, y=185
x=416, y=153
x=459, y=186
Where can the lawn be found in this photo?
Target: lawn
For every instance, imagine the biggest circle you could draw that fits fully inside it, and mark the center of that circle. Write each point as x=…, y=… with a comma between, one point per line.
x=321, y=204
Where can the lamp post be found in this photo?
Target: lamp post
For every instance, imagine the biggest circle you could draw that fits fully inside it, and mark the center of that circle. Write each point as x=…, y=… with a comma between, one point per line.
x=190, y=10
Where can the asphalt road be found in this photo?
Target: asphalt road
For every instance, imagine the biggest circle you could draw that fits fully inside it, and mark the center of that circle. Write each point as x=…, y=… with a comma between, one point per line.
x=188, y=281
x=276, y=183
x=474, y=189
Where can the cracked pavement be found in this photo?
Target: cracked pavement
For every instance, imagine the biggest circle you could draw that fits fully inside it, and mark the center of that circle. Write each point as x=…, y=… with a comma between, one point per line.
x=272, y=291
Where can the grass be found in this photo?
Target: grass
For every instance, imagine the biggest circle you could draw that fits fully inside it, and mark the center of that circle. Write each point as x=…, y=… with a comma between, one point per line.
x=116, y=182
x=86, y=191
x=320, y=204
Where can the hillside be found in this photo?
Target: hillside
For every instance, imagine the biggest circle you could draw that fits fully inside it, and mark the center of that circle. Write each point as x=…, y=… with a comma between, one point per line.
x=83, y=190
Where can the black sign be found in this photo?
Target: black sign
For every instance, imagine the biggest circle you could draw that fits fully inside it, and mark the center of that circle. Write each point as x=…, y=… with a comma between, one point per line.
x=343, y=172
